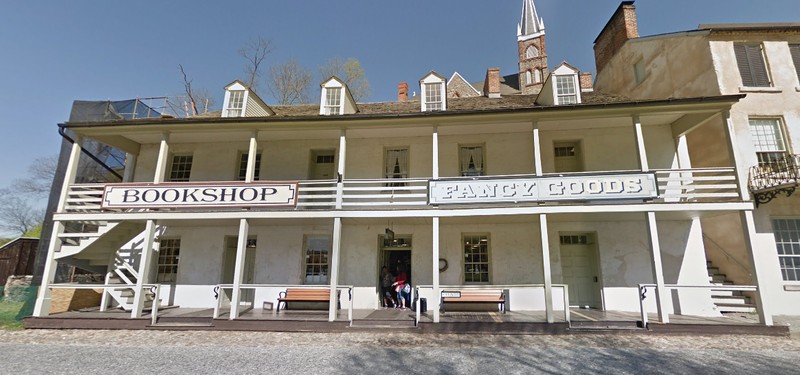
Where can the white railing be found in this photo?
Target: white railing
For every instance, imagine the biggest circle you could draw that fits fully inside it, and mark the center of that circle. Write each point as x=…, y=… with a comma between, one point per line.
x=697, y=185
x=220, y=288
x=154, y=288
x=443, y=288
x=643, y=293
x=385, y=192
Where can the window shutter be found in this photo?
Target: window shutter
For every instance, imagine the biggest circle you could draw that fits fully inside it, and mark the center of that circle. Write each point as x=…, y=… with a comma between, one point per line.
x=794, y=49
x=751, y=65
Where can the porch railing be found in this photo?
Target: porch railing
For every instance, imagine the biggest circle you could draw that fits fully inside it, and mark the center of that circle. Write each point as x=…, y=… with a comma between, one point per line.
x=697, y=185
x=154, y=288
x=220, y=288
x=643, y=293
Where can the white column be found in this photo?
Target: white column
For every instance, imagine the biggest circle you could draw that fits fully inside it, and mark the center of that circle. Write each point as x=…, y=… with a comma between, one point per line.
x=144, y=269
x=640, y=149
x=340, y=169
x=436, y=251
x=658, y=269
x=757, y=264
x=682, y=149
x=238, y=271
x=42, y=306
x=252, y=153
x=548, y=280
x=162, y=161
x=537, y=149
x=733, y=154
x=337, y=246
x=130, y=167
x=435, y=157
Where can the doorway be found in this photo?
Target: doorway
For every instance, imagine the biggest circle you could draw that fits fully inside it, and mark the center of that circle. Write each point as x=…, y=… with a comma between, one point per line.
x=322, y=165
x=229, y=265
x=579, y=269
x=396, y=252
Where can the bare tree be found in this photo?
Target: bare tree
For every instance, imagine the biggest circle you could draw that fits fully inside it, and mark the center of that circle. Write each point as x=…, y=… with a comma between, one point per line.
x=187, y=87
x=254, y=52
x=290, y=83
x=16, y=215
x=40, y=176
x=351, y=72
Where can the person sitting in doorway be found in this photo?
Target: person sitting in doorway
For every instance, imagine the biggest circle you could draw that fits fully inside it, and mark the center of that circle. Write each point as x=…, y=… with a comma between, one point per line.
x=386, y=288
x=399, y=284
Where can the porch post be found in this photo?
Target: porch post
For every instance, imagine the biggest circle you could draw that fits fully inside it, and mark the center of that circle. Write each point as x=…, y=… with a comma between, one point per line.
x=435, y=250
x=42, y=306
x=733, y=154
x=682, y=148
x=337, y=245
x=252, y=154
x=548, y=281
x=641, y=153
x=435, y=158
x=130, y=167
x=537, y=150
x=340, y=169
x=238, y=271
x=658, y=269
x=757, y=263
x=161, y=162
x=144, y=269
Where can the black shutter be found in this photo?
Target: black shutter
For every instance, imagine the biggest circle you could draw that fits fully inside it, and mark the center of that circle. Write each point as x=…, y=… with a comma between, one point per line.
x=794, y=49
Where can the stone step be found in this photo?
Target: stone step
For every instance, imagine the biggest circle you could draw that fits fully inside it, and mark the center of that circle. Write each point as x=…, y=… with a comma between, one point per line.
x=745, y=308
x=373, y=323
x=730, y=300
x=713, y=271
x=725, y=293
x=717, y=278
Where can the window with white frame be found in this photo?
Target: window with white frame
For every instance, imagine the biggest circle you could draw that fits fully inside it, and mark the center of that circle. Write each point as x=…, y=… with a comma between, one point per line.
x=181, y=168
x=433, y=96
x=794, y=49
x=169, y=250
x=333, y=100
x=528, y=77
x=531, y=52
x=243, y=156
x=565, y=89
x=638, y=71
x=537, y=75
x=396, y=163
x=317, y=259
x=471, y=160
x=787, y=240
x=752, y=68
x=235, y=103
x=476, y=258
x=768, y=139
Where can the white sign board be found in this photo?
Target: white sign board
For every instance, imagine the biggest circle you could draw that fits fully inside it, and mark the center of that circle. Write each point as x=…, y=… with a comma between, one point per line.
x=200, y=195
x=544, y=189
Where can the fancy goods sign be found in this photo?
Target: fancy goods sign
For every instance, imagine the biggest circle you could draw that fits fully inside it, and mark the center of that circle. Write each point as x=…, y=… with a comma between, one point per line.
x=200, y=195
x=544, y=189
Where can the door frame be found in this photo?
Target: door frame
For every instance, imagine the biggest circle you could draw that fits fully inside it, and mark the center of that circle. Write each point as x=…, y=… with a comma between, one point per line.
x=597, y=290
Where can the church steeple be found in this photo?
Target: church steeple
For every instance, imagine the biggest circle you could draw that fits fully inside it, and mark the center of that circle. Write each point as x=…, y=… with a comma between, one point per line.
x=533, y=68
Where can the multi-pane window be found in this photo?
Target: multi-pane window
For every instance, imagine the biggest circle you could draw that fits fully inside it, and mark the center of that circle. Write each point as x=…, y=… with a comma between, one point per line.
x=181, y=168
x=767, y=139
x=471, y=160
x=168, y=254
x=235, y=103
x=317, y=251
x=752, y=68
x=333, y=100
x=243, y=166
x=574, y=239
x=433, y=96
x=396, y=163
x=476, y=258
x=565, y=89
x=787, y=240
x=794, y=49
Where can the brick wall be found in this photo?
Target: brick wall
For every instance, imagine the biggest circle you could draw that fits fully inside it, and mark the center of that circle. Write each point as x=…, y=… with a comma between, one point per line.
x=621, y=27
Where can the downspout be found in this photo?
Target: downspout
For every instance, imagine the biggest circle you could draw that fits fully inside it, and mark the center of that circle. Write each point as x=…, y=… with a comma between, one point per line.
x=62, y=132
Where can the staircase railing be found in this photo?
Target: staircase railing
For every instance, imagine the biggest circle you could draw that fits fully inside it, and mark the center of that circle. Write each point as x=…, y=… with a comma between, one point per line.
x=729, y=256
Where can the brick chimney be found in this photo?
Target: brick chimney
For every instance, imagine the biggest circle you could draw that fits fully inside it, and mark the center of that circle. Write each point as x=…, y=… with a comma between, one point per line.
x=621, y=27
x=491, y=85
x=402, y=91
x=585, y=79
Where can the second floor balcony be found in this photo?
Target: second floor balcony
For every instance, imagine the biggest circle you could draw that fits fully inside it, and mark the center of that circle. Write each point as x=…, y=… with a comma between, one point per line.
x=779, y=175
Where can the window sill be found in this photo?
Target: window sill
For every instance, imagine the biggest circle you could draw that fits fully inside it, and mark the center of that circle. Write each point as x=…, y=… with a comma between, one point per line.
x=791, y=287
x=760, y=89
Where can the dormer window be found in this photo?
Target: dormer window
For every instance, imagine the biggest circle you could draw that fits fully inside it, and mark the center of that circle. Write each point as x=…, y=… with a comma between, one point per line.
x=335, y=98
x=333, y=101
x=566, y=89
x=235, y=103
x=433, y=88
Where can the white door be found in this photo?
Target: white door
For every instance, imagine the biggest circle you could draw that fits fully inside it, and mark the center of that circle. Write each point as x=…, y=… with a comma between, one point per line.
x=579, y=270
x=322, y=166
x=249, y=267
x=567, y=157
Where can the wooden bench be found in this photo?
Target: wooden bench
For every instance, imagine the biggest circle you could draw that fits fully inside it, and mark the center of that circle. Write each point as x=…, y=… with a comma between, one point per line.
x=474, y=296
x=305, y=295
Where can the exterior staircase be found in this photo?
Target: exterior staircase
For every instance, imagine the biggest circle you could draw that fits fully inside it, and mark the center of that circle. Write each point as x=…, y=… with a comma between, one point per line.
x=727, y=301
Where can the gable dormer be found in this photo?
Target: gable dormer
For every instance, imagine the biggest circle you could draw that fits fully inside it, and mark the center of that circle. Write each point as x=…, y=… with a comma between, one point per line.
x=433, y=88
x=335, y=98
x=240, y=101
x=561, y=87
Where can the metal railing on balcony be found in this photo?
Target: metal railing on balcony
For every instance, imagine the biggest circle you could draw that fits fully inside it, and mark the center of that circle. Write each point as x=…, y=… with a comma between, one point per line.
x=778, y=176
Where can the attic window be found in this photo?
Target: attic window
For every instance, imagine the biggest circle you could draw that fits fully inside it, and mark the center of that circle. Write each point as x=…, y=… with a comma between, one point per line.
x=565, y=89
x=235, y=103
x=333, y=100
x=433, y=96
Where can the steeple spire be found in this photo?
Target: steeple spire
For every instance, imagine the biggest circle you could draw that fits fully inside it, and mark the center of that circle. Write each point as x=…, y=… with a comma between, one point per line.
x=530, y=25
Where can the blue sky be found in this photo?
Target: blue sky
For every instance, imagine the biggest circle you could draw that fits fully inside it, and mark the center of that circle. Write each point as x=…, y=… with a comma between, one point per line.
x=60, y=51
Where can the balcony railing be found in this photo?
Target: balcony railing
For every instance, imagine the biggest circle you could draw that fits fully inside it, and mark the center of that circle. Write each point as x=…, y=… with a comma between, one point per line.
x=674, y=186
x=779, y=176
